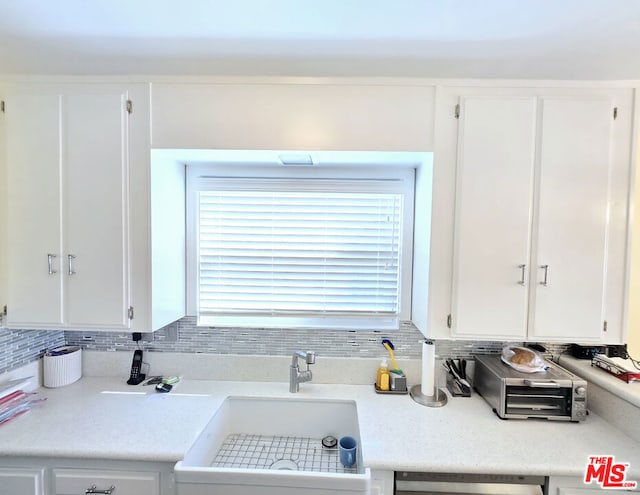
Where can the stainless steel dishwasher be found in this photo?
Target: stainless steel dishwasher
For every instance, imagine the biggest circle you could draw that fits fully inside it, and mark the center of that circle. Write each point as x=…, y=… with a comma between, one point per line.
x=413, y=483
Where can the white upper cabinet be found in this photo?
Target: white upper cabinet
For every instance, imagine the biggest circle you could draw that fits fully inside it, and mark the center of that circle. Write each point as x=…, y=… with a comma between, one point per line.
x=3, y=210
x=68, y=216
x=541, y=214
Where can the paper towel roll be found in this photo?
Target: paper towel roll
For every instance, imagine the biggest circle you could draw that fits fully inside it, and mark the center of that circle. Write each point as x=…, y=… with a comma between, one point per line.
x=428, y=368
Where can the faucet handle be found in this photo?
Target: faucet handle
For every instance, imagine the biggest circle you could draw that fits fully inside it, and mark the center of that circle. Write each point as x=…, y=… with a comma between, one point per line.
x=311, y=357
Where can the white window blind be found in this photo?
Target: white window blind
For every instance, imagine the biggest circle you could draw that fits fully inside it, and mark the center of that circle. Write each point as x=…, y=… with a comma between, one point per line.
x=318, y=254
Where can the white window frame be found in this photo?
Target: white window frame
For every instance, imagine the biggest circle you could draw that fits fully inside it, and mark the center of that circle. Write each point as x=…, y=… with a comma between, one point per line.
x=401, y=177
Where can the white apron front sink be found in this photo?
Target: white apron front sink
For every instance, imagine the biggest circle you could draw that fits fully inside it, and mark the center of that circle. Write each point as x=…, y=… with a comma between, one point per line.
x=271, y=446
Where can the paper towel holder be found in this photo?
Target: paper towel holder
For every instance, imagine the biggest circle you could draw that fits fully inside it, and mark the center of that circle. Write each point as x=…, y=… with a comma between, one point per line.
x=439, y=397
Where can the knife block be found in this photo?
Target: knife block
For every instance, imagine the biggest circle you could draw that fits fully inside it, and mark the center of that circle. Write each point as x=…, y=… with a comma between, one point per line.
x=457, y=389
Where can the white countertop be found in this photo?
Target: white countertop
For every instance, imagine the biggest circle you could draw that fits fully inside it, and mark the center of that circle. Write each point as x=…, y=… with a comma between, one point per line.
x=627, y=391
x=101, y=418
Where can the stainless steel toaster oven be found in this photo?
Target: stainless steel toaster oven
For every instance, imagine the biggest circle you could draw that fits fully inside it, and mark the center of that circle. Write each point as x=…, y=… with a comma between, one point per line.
x=555, y=394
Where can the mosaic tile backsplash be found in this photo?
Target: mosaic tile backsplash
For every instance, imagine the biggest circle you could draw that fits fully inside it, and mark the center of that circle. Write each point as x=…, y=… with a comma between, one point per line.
x=185, y=336
x=20, y=347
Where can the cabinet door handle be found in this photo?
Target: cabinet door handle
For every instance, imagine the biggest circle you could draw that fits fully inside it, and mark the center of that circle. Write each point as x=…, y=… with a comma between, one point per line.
x=50, y=263
x=522, y=270
x=92, y=489
x=70, y=258
x=545, y=280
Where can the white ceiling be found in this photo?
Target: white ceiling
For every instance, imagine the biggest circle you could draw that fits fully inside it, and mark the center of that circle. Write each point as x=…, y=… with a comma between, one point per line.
x=545, y=39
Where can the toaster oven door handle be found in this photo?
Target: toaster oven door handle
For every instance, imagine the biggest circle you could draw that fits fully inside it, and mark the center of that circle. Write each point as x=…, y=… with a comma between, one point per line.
x=540, y=384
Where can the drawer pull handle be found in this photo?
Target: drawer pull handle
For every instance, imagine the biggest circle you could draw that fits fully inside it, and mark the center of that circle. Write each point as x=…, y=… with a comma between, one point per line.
x=108, y=491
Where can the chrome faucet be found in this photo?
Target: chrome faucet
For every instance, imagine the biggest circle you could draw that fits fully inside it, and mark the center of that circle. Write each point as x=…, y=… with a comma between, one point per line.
x=296, y=377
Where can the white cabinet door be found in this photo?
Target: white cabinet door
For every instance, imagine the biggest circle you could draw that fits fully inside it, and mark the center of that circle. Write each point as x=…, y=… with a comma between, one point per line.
x=17, y=481
x=382, y=482
x=580, y=491
x=565, y=485
x=570, y=257
x=67, y=163
x=493, y=216
x=34, y=221
x=94, y=183
x=79, y=481
x=4, y=244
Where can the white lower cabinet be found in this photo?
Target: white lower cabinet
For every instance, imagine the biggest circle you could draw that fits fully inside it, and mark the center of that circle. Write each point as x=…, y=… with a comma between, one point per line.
x=18, y=481
x=52, y=476
x=579, y=491
x=382, y=482
x=565, y=485
x=87, y=481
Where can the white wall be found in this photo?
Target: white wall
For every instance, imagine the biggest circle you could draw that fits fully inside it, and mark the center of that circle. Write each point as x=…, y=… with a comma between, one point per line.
x=633, y=340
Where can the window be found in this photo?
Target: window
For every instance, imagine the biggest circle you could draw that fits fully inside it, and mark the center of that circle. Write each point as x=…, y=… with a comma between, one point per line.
x=300, y=248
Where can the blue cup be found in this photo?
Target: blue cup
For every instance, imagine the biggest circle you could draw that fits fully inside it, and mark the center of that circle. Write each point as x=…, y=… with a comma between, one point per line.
x=347, y=447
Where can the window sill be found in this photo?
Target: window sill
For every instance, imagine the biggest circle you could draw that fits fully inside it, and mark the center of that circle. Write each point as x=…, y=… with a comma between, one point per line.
x=304, y=323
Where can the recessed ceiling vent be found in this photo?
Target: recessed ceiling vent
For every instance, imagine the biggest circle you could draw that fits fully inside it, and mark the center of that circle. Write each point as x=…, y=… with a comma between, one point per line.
x=296, y=160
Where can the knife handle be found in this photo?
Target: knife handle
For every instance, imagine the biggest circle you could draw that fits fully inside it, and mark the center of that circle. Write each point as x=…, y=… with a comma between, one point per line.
x=463, y=368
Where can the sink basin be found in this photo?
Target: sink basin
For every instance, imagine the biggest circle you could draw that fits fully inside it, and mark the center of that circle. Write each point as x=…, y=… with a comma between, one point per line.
x=271, y=446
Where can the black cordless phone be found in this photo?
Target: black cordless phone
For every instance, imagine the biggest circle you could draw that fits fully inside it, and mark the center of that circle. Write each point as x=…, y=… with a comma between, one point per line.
x=136, y=367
